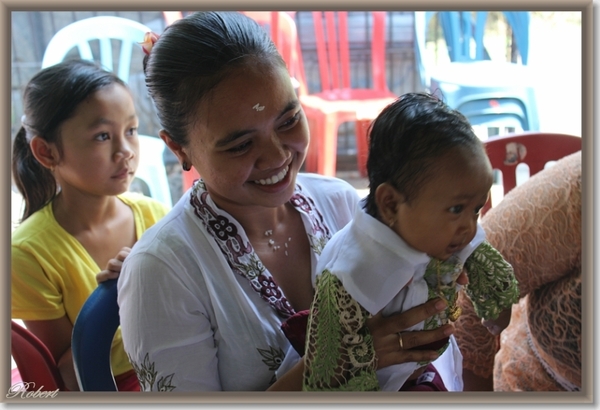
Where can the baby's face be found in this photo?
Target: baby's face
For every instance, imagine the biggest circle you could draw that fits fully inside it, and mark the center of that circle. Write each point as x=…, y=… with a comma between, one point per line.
x=442, y=218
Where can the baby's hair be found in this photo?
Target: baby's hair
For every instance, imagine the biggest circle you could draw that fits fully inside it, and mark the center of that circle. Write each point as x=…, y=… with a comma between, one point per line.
x=406, y=139
x=50, y=98
x=193, y=55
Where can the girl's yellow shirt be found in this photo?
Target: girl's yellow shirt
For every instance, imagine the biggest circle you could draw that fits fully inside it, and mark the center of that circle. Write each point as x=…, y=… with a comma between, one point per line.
x=52, y=274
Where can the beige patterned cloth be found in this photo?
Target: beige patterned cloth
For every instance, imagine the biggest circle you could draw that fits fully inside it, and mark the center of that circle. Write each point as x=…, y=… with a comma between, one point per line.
x=537, y=228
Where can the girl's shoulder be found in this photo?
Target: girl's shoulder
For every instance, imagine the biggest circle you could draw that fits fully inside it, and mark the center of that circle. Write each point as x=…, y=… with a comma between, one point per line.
x=144, y=204
x=37, y=223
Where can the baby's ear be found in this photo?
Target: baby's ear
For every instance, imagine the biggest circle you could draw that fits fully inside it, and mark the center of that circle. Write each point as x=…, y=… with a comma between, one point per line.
x=388, y=200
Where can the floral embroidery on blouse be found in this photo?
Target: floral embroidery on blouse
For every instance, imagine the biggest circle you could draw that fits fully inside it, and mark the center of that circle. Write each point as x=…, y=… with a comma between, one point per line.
x=273, y=359
x=238, y=251
x=146, y=375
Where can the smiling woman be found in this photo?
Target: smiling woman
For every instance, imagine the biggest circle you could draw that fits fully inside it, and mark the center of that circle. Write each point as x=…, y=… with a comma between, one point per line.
x=203, y=294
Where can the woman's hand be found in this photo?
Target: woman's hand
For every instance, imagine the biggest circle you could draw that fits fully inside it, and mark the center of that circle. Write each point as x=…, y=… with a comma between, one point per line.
x=387, y=341
x=113, y=267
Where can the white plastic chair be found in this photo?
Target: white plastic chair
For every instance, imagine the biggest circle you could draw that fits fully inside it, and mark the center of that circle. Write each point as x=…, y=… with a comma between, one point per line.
x=108, y=30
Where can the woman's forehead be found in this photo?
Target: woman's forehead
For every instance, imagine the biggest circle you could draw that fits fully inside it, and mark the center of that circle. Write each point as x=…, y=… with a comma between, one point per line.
x=249, y=89
x=248, y=98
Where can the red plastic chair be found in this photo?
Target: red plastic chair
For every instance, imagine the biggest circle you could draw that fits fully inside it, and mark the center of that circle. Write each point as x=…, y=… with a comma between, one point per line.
x=172, y=16
x=338, y=102
x=535, y=149
x=282, y=29
x=36, y=365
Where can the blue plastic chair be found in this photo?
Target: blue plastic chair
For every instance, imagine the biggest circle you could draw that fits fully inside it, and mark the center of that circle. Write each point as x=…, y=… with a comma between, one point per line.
x=491, y=94
x=460, y=27
x=93, y=333
x=109, y=31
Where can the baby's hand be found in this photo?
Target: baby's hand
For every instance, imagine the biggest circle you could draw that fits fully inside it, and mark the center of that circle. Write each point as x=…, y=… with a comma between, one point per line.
x=497, y=325
x=113, y=267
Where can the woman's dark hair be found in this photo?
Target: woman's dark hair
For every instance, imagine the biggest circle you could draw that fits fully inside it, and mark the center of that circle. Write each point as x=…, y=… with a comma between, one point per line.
x=406, y=139
x=193, y=56
x=50, y=98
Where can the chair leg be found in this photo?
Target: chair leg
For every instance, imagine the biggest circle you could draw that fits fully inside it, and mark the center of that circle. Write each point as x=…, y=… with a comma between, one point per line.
x=314, y=127
x=362, y=145
x=327, y=158
x=189, y=177
x=322, y=150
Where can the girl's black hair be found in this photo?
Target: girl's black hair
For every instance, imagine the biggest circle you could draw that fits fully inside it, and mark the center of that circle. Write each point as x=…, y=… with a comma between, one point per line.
x=193, y=55
x=50, y=98
x=406, y=139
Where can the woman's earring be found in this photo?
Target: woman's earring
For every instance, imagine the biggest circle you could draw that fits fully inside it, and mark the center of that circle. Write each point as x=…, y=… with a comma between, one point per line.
x=392, y=222
x=185, y=166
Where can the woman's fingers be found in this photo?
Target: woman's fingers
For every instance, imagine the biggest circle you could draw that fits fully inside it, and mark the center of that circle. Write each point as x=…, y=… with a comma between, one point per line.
x=405, y=356
x=403, y=347
x=394, y=344
x=412, y=340
x=401, y=321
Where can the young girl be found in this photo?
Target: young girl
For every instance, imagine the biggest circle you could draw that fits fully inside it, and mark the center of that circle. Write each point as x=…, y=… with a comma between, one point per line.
x=73, y=160
x=429, y=178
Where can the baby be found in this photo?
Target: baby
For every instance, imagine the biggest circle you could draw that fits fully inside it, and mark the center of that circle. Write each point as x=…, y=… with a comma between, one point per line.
x=429, y=177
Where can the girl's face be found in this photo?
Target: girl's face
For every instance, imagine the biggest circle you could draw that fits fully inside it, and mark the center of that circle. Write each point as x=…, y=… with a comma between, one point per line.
x=100, y=144
x=250, y=138
x=442, y=218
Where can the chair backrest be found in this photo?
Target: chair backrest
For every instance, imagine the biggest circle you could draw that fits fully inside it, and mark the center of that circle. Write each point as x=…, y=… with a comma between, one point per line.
x=464, y=36
x=91, y=342
x=535, y=149
x=108, y=31
x=283, y=31
x=333, y=51
x=104, y=29
x=36, y=365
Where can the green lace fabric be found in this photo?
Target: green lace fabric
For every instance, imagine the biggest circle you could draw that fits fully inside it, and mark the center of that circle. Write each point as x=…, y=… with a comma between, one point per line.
x=492, y=284
x=339, y=350
x=340, y=355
